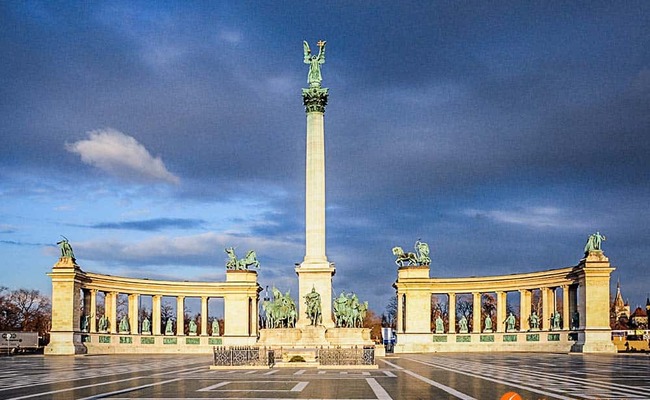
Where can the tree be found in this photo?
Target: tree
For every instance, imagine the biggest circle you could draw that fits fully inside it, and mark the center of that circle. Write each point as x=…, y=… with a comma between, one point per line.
x=439, y=307
x=373, y=321
x=489, y=307
x=25, y=310
x=389, y=319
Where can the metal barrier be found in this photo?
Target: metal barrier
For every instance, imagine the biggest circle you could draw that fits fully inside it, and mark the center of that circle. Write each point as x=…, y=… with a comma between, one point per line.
x=243, y=356
x=347, y=356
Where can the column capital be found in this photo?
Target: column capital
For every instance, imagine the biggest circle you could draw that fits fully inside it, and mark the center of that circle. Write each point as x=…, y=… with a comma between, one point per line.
x=315, y=99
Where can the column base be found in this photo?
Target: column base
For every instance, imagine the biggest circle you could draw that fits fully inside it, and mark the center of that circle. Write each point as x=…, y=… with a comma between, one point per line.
x=65, y=343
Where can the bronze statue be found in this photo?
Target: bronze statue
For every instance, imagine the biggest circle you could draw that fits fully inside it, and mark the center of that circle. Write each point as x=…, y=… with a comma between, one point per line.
x=314, y=77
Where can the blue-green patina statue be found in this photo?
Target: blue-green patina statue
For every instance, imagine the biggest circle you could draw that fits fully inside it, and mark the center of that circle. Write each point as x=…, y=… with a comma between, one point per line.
x=103, y=323
x=216, y=331
x=556, y=321
x=510, y=323
x=124, y=324
x=594, y=242
x=420, y=257
x=440, y=325
x=314, y=311
x=488, y=324
x=462, y=325
x=146, y=325
x=192, y=327
x=280, y=312
x=314, y=77
x=169, y=327
x=66, y=248
x=533, y=320
x=349, y=312
x=241, y=264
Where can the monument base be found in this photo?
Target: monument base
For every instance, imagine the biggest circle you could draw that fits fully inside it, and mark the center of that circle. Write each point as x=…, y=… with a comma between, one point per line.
x=314, y=336
x=65, y=343
x=594, y=341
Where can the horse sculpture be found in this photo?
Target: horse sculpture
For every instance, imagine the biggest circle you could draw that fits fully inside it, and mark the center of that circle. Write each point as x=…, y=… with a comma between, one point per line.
x=349, y=312
x=241, y=264
x=404, y=258
x=281, y=312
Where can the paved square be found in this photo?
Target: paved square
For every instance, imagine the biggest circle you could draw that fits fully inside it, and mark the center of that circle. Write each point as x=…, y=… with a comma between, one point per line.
x=411, y=376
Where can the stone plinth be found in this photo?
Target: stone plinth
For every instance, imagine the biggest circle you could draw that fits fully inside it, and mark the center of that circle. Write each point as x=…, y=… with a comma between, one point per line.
x=279, y=337
x=313, y=336
x=318, y=277
x=346, y=337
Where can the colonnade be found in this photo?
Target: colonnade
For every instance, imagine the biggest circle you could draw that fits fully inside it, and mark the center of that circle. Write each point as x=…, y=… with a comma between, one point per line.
x=585, y=305
x=133, y=312
x=71, y=285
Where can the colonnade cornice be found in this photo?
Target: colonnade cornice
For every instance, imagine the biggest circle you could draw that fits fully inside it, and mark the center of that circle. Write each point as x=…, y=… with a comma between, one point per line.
x=110, y=283
x=514, y=282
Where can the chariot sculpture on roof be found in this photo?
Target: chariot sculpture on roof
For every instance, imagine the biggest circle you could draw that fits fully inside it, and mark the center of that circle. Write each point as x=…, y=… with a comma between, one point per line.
x=419, y=257
x=241, y=264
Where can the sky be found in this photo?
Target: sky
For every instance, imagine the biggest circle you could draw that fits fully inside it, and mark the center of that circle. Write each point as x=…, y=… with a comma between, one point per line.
x=153, y=135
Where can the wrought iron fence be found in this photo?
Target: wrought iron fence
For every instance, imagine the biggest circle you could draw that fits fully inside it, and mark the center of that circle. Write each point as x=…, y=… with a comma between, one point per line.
x=243, y=355
x=347, y=356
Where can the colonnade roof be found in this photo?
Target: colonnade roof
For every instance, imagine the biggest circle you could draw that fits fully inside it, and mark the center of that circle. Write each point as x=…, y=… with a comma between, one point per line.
x=486, y=284
x=108, y=283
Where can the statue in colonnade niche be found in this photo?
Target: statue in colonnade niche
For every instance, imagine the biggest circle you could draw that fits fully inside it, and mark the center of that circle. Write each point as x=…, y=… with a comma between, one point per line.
x=462, y=325
x=488, y=324
x=281, y=311
x=314, y=310
x=533, y=320
x=556, y=321
x=575, y=321
x=510, y=322
x=146, y=325
x=85, y=320
x=440, y=325
x=103, y=323
x=594, y=242
x=233, y=263
x=124, y=325
x=192, y=327
x=215, y=327
x=169, y=327
x=349, y=312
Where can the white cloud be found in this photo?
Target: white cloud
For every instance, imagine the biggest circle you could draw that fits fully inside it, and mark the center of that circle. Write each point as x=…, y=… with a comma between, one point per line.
x=121, y=155
x=536, y=217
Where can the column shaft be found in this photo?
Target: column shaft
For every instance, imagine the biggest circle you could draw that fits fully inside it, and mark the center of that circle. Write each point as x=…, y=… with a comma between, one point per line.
x=204, y=316
x=476, y=307
x=93, y=311
x=180, y=315
x=134, y=311
x=155, y=314
x=452, y=312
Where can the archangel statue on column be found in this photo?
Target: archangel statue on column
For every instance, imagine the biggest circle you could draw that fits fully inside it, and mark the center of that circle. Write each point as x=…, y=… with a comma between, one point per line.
x=314, y=76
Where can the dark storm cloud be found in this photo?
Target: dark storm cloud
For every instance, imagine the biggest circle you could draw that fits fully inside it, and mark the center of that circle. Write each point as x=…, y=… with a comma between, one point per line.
x=156, y=224
x=501, y=133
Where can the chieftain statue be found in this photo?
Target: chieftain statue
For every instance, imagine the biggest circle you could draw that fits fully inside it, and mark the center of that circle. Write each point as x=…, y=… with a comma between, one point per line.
x=241, y=264
x=281, y=311
x=349, y=312
x=314, y=311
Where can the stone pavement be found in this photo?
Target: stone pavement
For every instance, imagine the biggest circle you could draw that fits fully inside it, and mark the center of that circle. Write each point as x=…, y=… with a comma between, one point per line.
x=412, y=376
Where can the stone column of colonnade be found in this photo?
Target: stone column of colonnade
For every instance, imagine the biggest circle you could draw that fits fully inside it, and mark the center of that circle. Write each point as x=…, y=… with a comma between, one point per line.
x=156, y=317
x=525, y=299
x=452, y=312
x=134, y=308
x=476, y=310
x=204, y=315
x=566, y=315
x=180, y=315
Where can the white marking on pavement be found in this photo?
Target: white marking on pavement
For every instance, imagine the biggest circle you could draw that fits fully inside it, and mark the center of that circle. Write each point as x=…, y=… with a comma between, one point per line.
x=271, y=372
x=389, y=374
x=300, y=387
x=379, y=391
x=127, y=390
x=438, y=385
x=209, y=388
x=302, y=371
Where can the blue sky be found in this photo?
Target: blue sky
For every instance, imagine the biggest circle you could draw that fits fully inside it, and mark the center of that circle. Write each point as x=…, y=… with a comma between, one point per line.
x=155, y=134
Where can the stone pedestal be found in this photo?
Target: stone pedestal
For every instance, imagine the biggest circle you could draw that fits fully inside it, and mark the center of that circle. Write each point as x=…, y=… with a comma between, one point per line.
x=318, y=277
x=594, y=332
x=65, y=337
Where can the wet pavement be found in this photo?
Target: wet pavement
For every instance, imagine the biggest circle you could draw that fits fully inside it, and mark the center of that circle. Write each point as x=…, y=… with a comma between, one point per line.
x=410, y=376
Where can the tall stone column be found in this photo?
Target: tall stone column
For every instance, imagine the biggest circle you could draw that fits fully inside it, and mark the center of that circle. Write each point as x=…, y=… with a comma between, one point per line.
x=476, y=310
x=566, y=316
x=156, y=328
x=452, y=312
x=502, y=309
x=134, y=311
x=525, y=297
x=204, y=316
x=315, y=272
x=93, y=311
x=400, y=313
x=112, y=314
x=180, y=315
